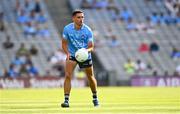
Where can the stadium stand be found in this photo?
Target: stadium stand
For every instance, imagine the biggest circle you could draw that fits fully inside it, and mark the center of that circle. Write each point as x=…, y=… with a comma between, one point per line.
x=166, y=36
x=45, y=45
x=131, y=26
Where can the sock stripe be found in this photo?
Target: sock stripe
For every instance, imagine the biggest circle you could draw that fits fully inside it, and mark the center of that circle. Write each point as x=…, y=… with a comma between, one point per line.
x=66, y=97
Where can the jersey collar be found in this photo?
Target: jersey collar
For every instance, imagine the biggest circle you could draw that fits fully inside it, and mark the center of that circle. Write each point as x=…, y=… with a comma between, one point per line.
x=80, y=28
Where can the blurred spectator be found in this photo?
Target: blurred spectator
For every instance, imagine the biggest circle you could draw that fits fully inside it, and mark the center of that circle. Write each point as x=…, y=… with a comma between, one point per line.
x=115, y=14
x=154, y=47
x=28, y=60
x=87, y=4
x=22, y=51
x=149, y=25
x=22, y=18
x=144, y=47
x=100, y=4
x=17, y=61
x=113, y=42
x=32, y=17
x=109, y=33
x=155, y=18
x=175, y=53
x=58, y=61
x=59, y=56
x=13, y=71
x=29, y=29
x=129, y=66
x=170, y=18
x=43, y=32
x=23, y=71
x=17, y=6
x=24, y=66
x=155, y=73
x=126, y=14
x=177, y=18
x=2, y=26
x=131, y=25
x=172, y=6
x=141, y=26
x=32, y=70
x=33, y=50
x=8, y=44
x=140, y=66
x=163, y=19
x=111, y=5
x=28, y=70
x=175, y=73
x=37, y=6
x=28, y=6
x=5, y=74
x=41, y=18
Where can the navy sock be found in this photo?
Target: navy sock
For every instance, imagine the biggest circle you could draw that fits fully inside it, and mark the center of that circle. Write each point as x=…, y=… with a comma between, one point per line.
x=66, y=98
x=94, y=95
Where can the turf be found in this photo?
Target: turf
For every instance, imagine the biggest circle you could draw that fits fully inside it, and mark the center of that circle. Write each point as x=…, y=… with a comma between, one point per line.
x=113, y=100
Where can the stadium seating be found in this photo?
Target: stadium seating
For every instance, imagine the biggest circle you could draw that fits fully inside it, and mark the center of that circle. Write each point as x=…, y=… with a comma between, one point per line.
x=46, y=46
x=114, y=58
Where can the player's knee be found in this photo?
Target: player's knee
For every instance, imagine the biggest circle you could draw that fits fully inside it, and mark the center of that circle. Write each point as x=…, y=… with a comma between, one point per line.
x=67, y=75
x=90, y=77
x=89, y=74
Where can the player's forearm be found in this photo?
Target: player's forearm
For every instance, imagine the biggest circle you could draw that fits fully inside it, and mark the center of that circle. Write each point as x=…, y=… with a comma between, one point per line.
x=64, y=46
x=90, y=47
x=65, y=49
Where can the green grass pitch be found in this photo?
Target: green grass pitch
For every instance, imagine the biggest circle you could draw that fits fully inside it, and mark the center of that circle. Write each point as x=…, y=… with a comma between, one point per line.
x=113, y=100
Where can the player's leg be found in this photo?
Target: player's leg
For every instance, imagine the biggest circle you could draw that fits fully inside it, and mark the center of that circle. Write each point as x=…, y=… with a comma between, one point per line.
x=92, y=83
x=70, y=65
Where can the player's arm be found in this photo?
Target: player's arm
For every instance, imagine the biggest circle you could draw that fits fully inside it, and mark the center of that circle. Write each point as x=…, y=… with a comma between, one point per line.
x=90, y=41
x=90, y=46
x=65, y=47
x=65, y=42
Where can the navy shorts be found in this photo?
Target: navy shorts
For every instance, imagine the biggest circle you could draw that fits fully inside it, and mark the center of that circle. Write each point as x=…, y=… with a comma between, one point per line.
x=85, y=64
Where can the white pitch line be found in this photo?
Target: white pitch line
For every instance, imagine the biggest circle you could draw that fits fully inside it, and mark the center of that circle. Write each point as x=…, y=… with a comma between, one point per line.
x=104, y=104
x=73, y=102
x=82, y=101
x=99, y=113
x=89, y=108
x=84, y=104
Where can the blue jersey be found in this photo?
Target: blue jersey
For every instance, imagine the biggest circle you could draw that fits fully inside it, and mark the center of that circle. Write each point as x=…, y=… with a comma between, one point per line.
x=77, y=38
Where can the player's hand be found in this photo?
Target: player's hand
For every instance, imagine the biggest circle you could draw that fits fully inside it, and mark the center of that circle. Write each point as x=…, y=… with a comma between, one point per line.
x=89, y=49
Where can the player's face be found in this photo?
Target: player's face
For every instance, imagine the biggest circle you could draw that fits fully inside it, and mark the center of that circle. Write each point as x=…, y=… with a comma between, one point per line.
x=78, y=19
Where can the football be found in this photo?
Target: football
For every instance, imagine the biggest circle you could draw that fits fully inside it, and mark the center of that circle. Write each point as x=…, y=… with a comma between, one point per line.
x=81, y=55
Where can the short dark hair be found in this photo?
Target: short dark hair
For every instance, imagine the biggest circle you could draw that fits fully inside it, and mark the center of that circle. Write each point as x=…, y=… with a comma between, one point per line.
x=76, y=11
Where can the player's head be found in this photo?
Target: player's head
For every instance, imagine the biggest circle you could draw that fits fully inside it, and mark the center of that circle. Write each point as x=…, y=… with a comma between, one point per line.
x=78, y=17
